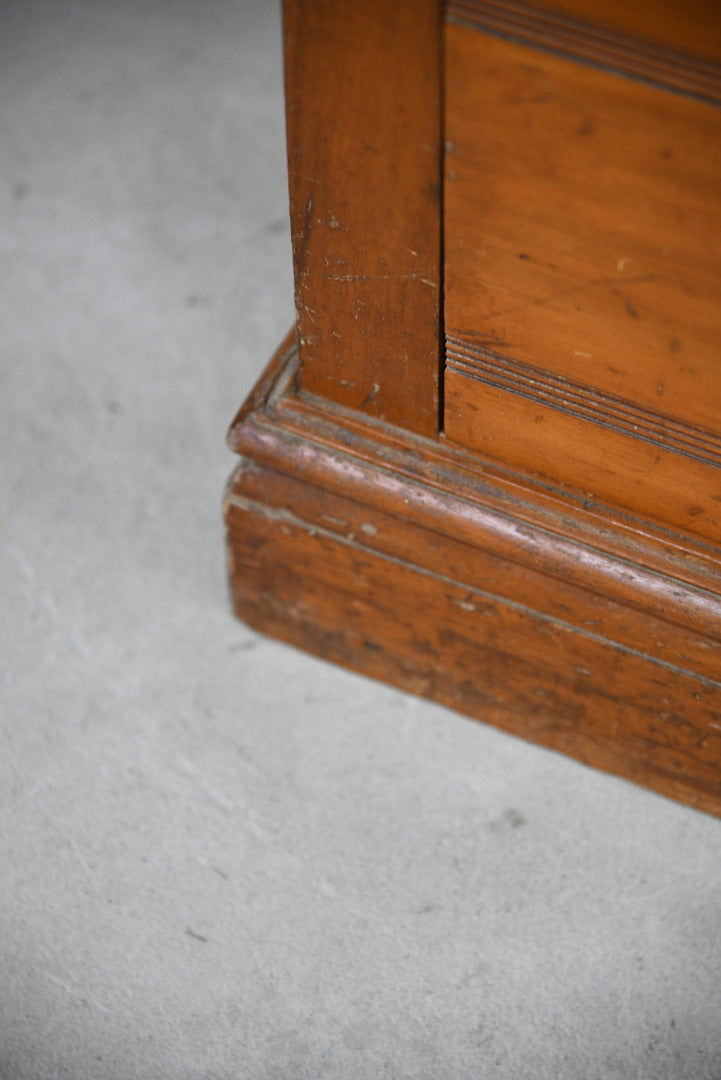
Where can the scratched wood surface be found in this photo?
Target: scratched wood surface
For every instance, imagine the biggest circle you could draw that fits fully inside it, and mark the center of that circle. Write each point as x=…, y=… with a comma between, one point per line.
x=582, y=249
x=363, y=111
x=415, y=563
x=551, y=562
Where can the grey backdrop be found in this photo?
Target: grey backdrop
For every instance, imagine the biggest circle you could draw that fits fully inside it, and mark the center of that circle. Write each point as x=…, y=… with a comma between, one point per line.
x=220, y=858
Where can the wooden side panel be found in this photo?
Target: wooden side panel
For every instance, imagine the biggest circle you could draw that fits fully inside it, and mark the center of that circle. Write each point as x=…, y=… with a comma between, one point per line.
x=583, y=276
x=363, y=102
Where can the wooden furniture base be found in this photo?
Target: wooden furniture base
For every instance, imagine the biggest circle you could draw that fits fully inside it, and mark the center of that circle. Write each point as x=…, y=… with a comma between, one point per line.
x=486, y=467
x=522, y=604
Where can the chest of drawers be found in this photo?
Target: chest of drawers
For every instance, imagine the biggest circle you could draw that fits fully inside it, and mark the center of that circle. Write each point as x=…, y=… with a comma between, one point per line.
x=486, y=464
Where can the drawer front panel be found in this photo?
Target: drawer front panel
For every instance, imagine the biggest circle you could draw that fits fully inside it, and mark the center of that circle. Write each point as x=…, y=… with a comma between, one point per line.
x=582, y=240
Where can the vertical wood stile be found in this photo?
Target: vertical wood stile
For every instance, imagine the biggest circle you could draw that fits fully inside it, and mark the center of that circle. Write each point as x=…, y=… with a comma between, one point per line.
x=363, y=113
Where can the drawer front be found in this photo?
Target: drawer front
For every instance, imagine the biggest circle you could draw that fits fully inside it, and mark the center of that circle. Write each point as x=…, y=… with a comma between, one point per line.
x=582, y=246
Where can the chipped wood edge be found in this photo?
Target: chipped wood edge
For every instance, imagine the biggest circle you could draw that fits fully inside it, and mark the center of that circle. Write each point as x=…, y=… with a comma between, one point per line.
x=361, y=544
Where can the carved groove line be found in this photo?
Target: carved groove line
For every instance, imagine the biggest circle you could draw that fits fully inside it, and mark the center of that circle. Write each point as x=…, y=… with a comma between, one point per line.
x=245, y=504
x=647, y=60
x=584, y=402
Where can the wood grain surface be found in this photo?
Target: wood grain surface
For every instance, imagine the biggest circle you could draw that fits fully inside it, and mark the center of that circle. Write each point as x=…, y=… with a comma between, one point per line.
x=411, y=561
x=692, y=27
x=363, y=96
x=551, y=562
x=583, y=277
x=665, y=42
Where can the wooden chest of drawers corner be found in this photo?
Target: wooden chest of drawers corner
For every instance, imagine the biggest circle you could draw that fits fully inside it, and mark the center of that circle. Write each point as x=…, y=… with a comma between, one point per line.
x=486, y=465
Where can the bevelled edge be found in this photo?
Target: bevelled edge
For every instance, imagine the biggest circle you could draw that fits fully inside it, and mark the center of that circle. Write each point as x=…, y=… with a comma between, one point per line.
x=486, y=365
x=283, y=361
x=412, y=562
x=603, y=46
x=562, y=533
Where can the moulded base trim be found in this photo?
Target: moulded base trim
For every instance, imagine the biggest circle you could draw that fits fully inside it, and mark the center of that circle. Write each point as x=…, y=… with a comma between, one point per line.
x=529, y=607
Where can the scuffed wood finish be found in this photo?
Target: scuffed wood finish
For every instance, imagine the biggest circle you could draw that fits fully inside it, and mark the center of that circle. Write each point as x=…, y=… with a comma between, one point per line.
x=673, y=45
x=411, y=561
x=551, y=562
x=583, y=276
x=364, y=151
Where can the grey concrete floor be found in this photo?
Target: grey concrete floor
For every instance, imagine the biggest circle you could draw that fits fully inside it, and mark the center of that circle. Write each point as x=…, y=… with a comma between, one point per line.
x=221, y=858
